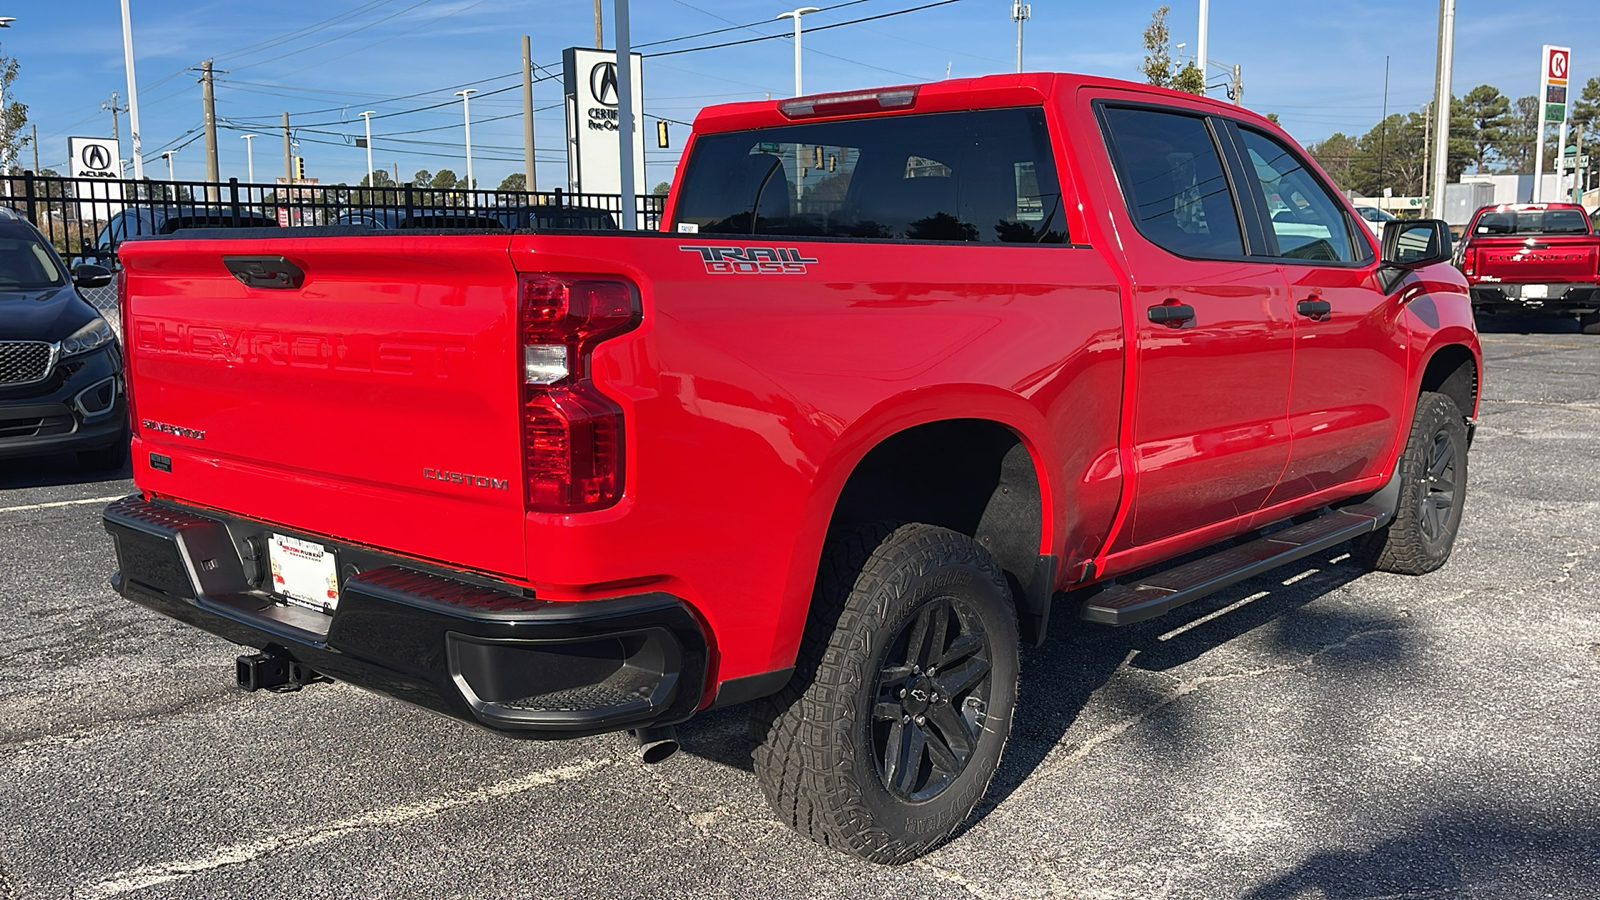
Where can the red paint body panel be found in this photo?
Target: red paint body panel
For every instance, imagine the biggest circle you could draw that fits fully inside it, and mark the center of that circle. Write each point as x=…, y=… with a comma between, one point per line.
x=749, y=399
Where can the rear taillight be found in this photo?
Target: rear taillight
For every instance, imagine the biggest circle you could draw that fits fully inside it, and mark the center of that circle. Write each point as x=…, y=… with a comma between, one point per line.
x=1469, y=260
x=126, y=321
x=572, y=434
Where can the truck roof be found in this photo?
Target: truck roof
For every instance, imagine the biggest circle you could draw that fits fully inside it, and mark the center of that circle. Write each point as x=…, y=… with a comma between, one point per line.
x=986, y=92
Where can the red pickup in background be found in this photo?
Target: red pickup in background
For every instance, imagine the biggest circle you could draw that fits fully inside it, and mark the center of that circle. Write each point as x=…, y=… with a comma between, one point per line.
x=1533, y=259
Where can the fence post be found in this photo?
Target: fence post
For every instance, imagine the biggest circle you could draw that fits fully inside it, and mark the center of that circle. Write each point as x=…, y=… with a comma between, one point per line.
x=410, y=199
x=27, y=187
x=233, y=200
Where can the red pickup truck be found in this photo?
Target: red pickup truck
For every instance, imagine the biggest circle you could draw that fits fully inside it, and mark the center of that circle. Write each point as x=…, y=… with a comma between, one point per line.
x=903, y=367
x=1533, y=258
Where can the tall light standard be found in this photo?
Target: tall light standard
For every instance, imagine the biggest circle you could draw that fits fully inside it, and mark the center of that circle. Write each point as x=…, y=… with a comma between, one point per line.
x=795, y=14
x=168, y=155
x=250, y=156
x=1020, y=12
x=5, y=163
x=1200, y=45
x=133, y=94
x=1441, y=111
x=466, y=114
x=368, y=117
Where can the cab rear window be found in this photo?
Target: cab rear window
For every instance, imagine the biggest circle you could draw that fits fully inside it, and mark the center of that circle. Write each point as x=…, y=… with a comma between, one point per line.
x=1532, y=221
x=983, y=176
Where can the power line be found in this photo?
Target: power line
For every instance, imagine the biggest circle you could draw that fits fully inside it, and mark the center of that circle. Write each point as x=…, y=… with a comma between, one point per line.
x=774, y=37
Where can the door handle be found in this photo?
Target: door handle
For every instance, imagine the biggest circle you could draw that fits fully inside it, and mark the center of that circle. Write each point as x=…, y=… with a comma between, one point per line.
x=1314, y=308
x=1172, y=315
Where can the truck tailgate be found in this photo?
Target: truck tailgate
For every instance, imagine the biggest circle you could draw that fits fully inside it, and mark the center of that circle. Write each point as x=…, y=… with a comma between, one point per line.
x=376, y=402
x=1539, y=259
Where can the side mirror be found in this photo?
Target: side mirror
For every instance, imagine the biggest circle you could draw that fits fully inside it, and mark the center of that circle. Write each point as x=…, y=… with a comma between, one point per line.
x=90, y=275
x=1414, y=243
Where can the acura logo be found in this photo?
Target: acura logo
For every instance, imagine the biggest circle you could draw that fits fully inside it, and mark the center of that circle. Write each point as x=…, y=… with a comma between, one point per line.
x=603, y=83
x=95, y=156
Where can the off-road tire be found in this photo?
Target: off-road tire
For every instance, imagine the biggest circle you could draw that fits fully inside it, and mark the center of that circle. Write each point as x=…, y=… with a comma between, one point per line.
x=1589, y=323
x=1433, y=490
x=821, y=743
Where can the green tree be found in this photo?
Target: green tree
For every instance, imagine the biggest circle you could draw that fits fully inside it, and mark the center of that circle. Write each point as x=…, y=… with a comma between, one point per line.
x=516, y=181
x=13, y=116
x=1485, y=113
x=422, y=177
x=1586, y=123
x=661, y=189
x=1519, y=136
x=1336, y=153
x=1159, y=68
x=378, y=179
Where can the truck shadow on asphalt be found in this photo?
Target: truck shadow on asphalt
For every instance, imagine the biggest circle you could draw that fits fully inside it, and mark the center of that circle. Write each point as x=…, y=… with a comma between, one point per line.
x=53, y=471
x=1506, y=324
x=1060, y=677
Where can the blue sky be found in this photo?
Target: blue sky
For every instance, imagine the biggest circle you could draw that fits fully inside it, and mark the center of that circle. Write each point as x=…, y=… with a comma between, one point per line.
x=1319, y=65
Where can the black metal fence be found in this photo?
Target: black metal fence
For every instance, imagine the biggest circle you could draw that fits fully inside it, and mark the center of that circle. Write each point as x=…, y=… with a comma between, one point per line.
x=86, y=218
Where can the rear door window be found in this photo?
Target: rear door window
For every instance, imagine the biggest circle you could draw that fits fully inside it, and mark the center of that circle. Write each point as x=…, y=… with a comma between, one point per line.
x=1173, y=182
x=984, y=176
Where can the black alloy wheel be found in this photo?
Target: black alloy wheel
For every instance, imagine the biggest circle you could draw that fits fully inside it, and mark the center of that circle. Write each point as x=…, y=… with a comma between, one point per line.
x=1433, y=489
x=932, y=701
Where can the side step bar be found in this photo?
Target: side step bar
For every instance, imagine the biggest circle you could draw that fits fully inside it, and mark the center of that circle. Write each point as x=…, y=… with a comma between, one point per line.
x=1125, y=604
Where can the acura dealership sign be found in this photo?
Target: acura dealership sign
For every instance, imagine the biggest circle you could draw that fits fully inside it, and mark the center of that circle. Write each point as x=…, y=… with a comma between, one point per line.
x=96, y=158
x=593, y=153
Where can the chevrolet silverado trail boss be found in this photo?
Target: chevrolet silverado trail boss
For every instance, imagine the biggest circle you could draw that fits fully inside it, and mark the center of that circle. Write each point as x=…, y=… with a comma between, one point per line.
x=901, y=366
x=1533, y=259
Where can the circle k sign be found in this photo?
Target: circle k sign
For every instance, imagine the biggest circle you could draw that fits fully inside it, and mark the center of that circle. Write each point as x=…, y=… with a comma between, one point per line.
x=1557, y=63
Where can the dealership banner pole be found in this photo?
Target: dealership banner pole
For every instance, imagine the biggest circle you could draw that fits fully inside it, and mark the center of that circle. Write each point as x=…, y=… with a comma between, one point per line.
x=1441, y=109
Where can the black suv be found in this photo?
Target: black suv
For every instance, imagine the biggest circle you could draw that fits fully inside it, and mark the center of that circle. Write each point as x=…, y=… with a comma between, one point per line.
x=61, y=386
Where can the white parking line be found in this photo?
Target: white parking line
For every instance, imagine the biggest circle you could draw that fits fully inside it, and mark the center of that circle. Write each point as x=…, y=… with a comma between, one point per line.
x=6, y=509
x=402, y=814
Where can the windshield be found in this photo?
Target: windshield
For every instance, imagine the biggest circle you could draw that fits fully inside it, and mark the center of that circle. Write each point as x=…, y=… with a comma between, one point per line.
x=27, y=264
x=1532, y=221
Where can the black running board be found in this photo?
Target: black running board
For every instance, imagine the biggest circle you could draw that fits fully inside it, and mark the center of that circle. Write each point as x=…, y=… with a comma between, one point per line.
x=1154, y=595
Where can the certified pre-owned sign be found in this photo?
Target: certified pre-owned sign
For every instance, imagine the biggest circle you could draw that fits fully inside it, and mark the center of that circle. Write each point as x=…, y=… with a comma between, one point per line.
x=594, y=159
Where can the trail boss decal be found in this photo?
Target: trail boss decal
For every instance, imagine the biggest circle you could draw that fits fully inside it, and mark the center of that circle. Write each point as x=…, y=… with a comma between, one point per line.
x=750, y=260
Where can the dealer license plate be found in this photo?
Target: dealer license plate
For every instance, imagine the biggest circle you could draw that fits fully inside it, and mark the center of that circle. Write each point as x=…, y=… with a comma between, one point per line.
x=304, y=572
x=1536, y=291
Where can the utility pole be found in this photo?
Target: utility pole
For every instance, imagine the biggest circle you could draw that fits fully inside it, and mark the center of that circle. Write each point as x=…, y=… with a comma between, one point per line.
x=1238, y=85
x=1200, y=45
x=208, y=98
x=1441, y=107
x=249, y=157
x=368, y=117
x=1019, y=12
x=116, y=136
x=532, y=177
x=1427, y=143
x=168, y=155
x=36, y=148
x=466, y=115
x=133, y=94
x=795, y=14
x=288, y=154
x=599, y=32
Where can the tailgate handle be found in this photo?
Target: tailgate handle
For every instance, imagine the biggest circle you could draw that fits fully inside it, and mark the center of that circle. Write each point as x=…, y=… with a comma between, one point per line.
x=273, y=272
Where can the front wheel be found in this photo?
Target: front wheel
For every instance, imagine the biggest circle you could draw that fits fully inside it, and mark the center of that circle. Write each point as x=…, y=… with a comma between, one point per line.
x=902, y=698
x=1433, y=489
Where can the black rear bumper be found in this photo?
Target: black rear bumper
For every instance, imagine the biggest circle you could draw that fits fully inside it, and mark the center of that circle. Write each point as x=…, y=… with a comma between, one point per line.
x=1565, y=299
x=484, y=652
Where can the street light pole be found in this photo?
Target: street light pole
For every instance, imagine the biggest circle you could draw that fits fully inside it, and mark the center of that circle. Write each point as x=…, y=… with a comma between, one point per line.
x=1020, y=12
x=466, y=115
x=133, y=94
x=1200, y=48
x=795, y=14
x=368, y=117
x=250, y=156
x=1441, y=108
x=168, y=155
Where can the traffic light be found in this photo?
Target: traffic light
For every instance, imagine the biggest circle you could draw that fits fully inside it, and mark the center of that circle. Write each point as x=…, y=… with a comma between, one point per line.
x=299, y=168
x=661, y=134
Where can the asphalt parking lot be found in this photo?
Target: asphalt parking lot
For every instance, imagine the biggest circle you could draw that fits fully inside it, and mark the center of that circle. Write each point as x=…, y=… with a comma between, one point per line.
x=1314, y=733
